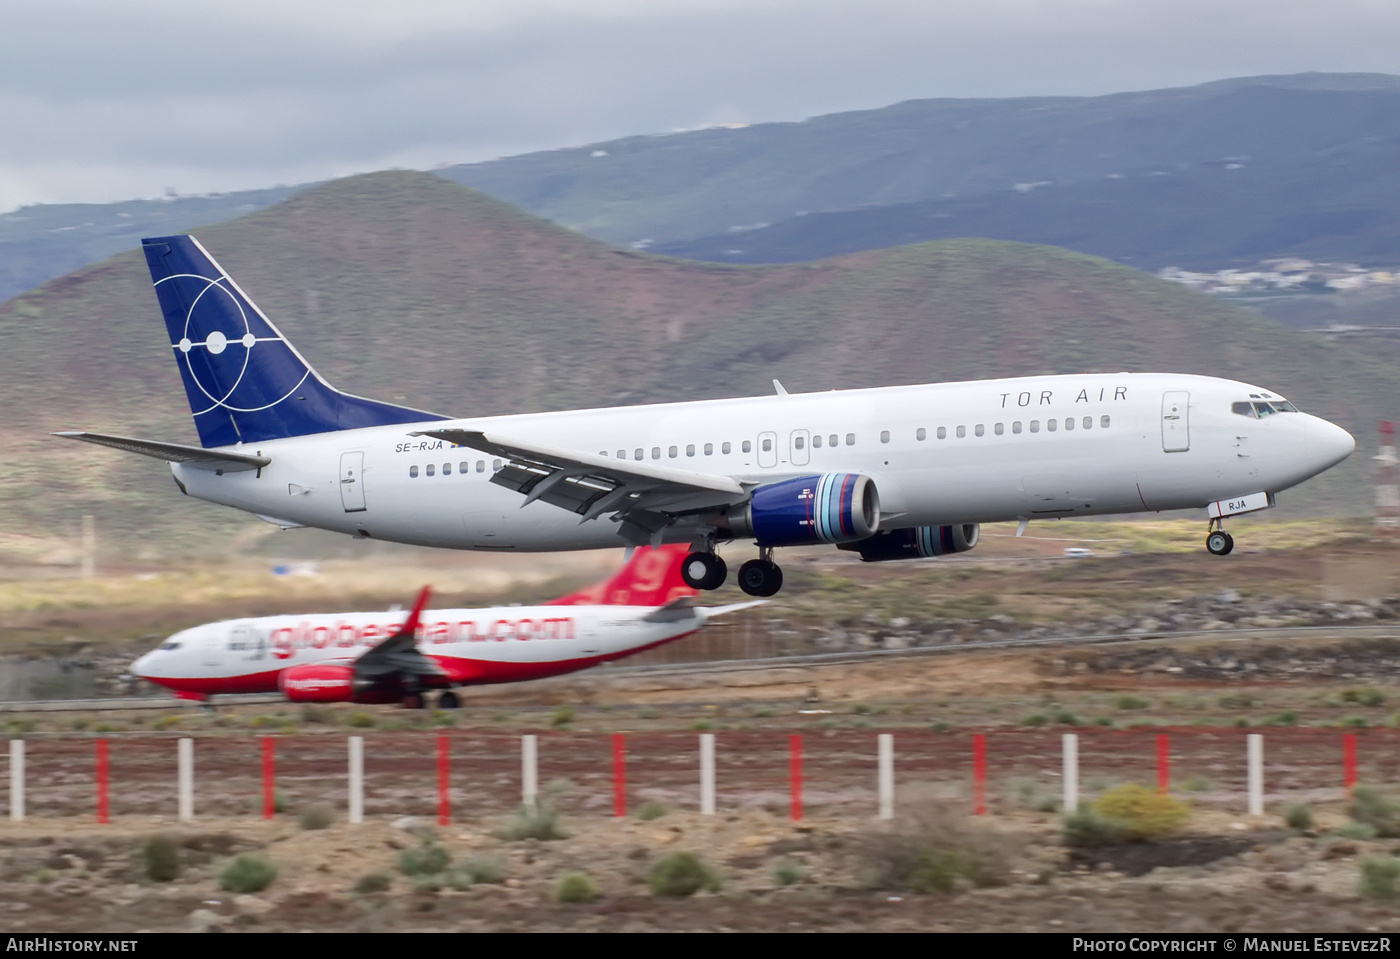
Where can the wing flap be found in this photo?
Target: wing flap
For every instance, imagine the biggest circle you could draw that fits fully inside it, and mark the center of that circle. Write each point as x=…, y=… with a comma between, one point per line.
x=591, y=485
x=198, y=457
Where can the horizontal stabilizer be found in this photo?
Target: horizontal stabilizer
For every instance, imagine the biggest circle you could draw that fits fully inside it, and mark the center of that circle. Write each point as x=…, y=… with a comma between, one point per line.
x=199, y=458
x=711, y=612
x=673, y=612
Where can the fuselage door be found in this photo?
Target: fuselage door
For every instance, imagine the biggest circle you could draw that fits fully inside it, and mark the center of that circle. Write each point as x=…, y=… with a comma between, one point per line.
x=799, y=453
x=352, y=486
x=1176, y=429
x=767, y=450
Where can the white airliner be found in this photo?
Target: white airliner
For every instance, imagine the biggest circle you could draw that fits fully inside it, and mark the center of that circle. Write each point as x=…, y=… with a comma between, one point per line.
x=397, y=657
x=891, y=473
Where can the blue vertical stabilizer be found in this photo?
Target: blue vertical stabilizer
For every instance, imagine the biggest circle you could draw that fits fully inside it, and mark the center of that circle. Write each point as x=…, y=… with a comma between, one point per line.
x=246, y=383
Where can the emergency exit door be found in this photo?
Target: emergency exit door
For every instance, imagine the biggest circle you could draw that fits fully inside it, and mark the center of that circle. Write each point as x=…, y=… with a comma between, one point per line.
x=1176, y=425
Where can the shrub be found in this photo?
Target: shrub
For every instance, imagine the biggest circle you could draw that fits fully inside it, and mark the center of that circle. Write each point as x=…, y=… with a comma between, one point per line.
x=575, y=887
x=318, y=816
x=787, y=873
x=160, y=856
x=484, y=869
x=651, y=809
x=1379, y=875
x=427, y=859
x=361, y=720
x=682, y=874
x=1298, y=817
x=1130, y=702
x=374, y=882
x=1286, y=718
x=1364, y=697
x=932, y=851
x=1066, y=718
x=562, y=717
x=1143, y=813
x=1035, y=719
x=540, y=821
x=1086, y=829
x=1356, y=830
x=249, y=872
x=1376, y=810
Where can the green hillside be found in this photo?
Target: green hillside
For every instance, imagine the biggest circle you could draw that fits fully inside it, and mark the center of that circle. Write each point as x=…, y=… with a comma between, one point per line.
x=410, y=288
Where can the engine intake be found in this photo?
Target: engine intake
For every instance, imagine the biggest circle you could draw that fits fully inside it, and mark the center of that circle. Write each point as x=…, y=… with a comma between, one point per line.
x=916, y=542
x=827, y=508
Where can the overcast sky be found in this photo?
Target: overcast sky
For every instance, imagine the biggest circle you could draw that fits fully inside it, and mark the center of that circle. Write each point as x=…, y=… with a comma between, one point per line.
x=104, y=101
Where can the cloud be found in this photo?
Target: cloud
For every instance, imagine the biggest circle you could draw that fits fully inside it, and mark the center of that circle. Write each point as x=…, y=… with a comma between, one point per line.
x=104, y=101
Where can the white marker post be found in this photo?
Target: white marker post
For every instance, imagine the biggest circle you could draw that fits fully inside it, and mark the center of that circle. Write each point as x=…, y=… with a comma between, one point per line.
x=1256, y=774
x=1071, y=771
x=886, y=776
x=16, y=779
x=357, y=779
x=707, y=774
x=529, y=771
x=185, y=779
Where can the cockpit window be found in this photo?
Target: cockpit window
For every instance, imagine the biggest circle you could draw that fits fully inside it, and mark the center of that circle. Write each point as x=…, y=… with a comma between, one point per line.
x=169, y=646
x=1260, y=409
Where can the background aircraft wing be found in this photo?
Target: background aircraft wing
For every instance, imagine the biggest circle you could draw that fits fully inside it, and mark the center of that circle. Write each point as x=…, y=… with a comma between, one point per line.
x=398, y=657
x=647, y=496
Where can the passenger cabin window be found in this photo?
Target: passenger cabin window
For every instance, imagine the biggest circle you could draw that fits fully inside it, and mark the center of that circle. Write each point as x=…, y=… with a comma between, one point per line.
x=496, y=466
x=1103, y=421
x=481, y=465
x=1069, y=422
x=884, y=436
x=464, y=467
x=429, y=469
x=999, y=429
x=638, y=454
x=1035, y=426
x=656, y=452
x=709, y=449
x=768, y=446
x=797, y=443
x=747, y=447
x=622, y=454
x=962, y=431
x=413, y=472
x=725, y=449
x=980, y=430
x=817, y=441
x=446, y=469
x=850, y=439
x=943, y=432
x=831, y=440
x=672, y=452
x=1088, y=422
x=1051, y=425
x=1016, y=427
x=690, y=449
x=921, y=434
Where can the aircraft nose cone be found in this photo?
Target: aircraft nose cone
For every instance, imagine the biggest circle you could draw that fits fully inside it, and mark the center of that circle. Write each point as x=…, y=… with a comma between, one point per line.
x=141, y=666
x=1330, y=444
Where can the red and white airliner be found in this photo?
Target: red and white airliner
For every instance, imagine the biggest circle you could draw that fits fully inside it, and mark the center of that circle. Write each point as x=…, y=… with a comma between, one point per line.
x=391, y=657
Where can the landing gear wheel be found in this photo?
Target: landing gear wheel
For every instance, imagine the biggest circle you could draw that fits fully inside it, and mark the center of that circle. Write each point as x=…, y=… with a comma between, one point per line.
x=412, y=701
x=760, y=577
x=1220, y=543
x=448, y=700
x=704, y=571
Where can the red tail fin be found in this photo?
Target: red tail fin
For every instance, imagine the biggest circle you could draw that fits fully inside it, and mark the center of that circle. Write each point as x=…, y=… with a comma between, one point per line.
x=652, y=577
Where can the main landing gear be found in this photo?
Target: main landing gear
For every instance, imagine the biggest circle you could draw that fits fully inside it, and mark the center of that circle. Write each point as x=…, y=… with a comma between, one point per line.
x=762, y=576
x=1219, y=542
x=757, y=577
x=704, y=570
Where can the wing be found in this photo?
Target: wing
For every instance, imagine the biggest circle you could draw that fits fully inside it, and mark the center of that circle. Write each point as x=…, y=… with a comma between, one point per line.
x=398, y=659
x=647, y=498
x=219, y=460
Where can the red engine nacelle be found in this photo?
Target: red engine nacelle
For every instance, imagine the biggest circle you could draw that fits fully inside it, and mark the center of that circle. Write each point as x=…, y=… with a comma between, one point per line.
x=315, y=683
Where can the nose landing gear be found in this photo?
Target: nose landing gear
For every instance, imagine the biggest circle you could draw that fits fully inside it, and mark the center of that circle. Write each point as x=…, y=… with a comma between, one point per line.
x=1219, y=542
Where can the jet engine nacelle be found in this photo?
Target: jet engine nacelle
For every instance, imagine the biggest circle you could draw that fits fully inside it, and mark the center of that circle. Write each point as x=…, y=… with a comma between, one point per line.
x=313, y=683
x=916, y=542
x=828, y=508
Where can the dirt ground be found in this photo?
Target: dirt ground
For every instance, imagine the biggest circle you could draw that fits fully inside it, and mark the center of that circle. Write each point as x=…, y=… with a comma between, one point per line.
x=836, y=869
